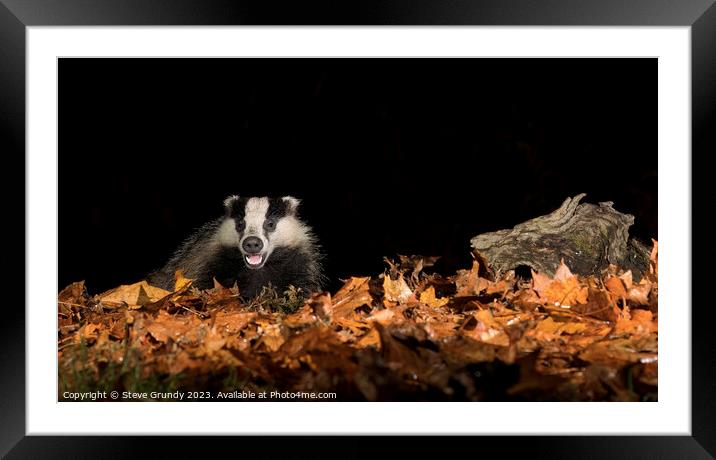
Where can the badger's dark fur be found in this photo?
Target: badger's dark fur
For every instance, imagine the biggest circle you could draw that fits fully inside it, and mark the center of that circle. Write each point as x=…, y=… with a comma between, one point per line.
x=259, y=241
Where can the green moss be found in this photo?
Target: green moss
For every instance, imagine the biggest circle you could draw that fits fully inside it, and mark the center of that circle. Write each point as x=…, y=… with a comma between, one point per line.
x=288, y=302
x=582, y=243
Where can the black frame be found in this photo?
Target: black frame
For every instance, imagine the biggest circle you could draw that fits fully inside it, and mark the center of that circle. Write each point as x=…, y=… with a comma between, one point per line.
x=15, y=15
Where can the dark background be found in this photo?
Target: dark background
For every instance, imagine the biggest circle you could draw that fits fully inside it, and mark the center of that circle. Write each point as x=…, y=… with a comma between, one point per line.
x=390, y=156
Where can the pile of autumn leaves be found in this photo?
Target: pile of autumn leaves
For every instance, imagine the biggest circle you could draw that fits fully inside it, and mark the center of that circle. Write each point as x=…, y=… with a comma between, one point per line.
x=404, y=335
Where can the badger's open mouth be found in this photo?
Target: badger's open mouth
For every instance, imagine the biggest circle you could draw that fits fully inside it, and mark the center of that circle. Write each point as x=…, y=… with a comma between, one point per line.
x=254, y=260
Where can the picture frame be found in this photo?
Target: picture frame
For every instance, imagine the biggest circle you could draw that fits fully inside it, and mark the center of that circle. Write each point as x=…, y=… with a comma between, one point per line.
x=16, y=15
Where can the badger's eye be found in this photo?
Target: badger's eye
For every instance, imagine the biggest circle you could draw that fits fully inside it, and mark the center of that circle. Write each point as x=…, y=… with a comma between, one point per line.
x=240, y=225
x=269, y=224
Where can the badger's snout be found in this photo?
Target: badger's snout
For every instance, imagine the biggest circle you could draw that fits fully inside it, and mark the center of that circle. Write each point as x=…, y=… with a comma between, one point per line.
x=252, y=247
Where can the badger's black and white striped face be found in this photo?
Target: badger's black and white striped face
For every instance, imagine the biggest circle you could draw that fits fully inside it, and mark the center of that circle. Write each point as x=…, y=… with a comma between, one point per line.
x=257, y=226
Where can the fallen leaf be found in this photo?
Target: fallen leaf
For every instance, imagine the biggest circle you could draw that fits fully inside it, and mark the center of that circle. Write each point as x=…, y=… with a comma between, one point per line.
x=371, y=339
x=428, y=298
x=234, y=321
x=88, y=333
x=73, y=294
x=178, y=328
x=654, y=259
x=416, y=263
x=487, y=330
x=180, y=282
x=548, y=329
x=563, y=290
x=639, y=293
x=398, y=290
x=615, y=286
x=272, y=337
x=384, y=316
x=353, y=294
x=469, y=283
x=301, y=318
x=439, y=330
x=213, y=342
x=133, y=295
x=635, y=323
x=626, y=278
x=621, y=351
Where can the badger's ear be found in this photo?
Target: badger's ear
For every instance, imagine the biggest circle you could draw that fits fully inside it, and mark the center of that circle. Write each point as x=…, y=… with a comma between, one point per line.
x=292, y=203
x=229, y=203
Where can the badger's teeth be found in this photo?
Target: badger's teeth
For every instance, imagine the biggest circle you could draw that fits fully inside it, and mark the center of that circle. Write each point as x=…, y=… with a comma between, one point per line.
x=254, y=259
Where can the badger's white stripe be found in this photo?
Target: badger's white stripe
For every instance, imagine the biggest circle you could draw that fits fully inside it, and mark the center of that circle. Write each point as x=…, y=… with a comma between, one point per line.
x=255, y=215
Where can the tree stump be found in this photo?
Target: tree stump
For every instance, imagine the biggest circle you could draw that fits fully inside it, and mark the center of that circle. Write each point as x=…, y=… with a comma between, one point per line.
x=587, y=237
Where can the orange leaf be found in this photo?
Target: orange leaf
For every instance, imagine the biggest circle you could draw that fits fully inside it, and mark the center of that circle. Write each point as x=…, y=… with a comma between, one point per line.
x=654, y=258
x=615, y=286
x=627, y=279
x=273, y=337
x=638, y=322
x=488, y=330
x=180, y=282
x=398, y=290
x=428, y=298
x=382, y=316
x=354, y=293
x=468, y=282
x=549, y=329
x=371, y=339
x=233, y=322
x=563, y=290
x=133, y=295
x=640, y=293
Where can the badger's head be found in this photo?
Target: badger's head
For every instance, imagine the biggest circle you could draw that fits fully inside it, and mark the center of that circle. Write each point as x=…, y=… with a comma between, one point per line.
x=257, y=226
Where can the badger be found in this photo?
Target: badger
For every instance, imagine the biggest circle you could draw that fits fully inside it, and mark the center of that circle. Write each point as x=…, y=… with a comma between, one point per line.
x=260, y=241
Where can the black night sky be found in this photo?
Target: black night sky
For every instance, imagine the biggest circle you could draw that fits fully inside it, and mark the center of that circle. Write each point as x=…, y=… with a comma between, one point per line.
x=390, y=156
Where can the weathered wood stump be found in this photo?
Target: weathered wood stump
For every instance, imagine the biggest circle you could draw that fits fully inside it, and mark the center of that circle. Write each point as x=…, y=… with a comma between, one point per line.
x=588, y=237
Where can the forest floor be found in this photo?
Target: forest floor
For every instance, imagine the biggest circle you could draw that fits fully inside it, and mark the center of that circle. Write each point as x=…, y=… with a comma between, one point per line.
x=404, y=335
